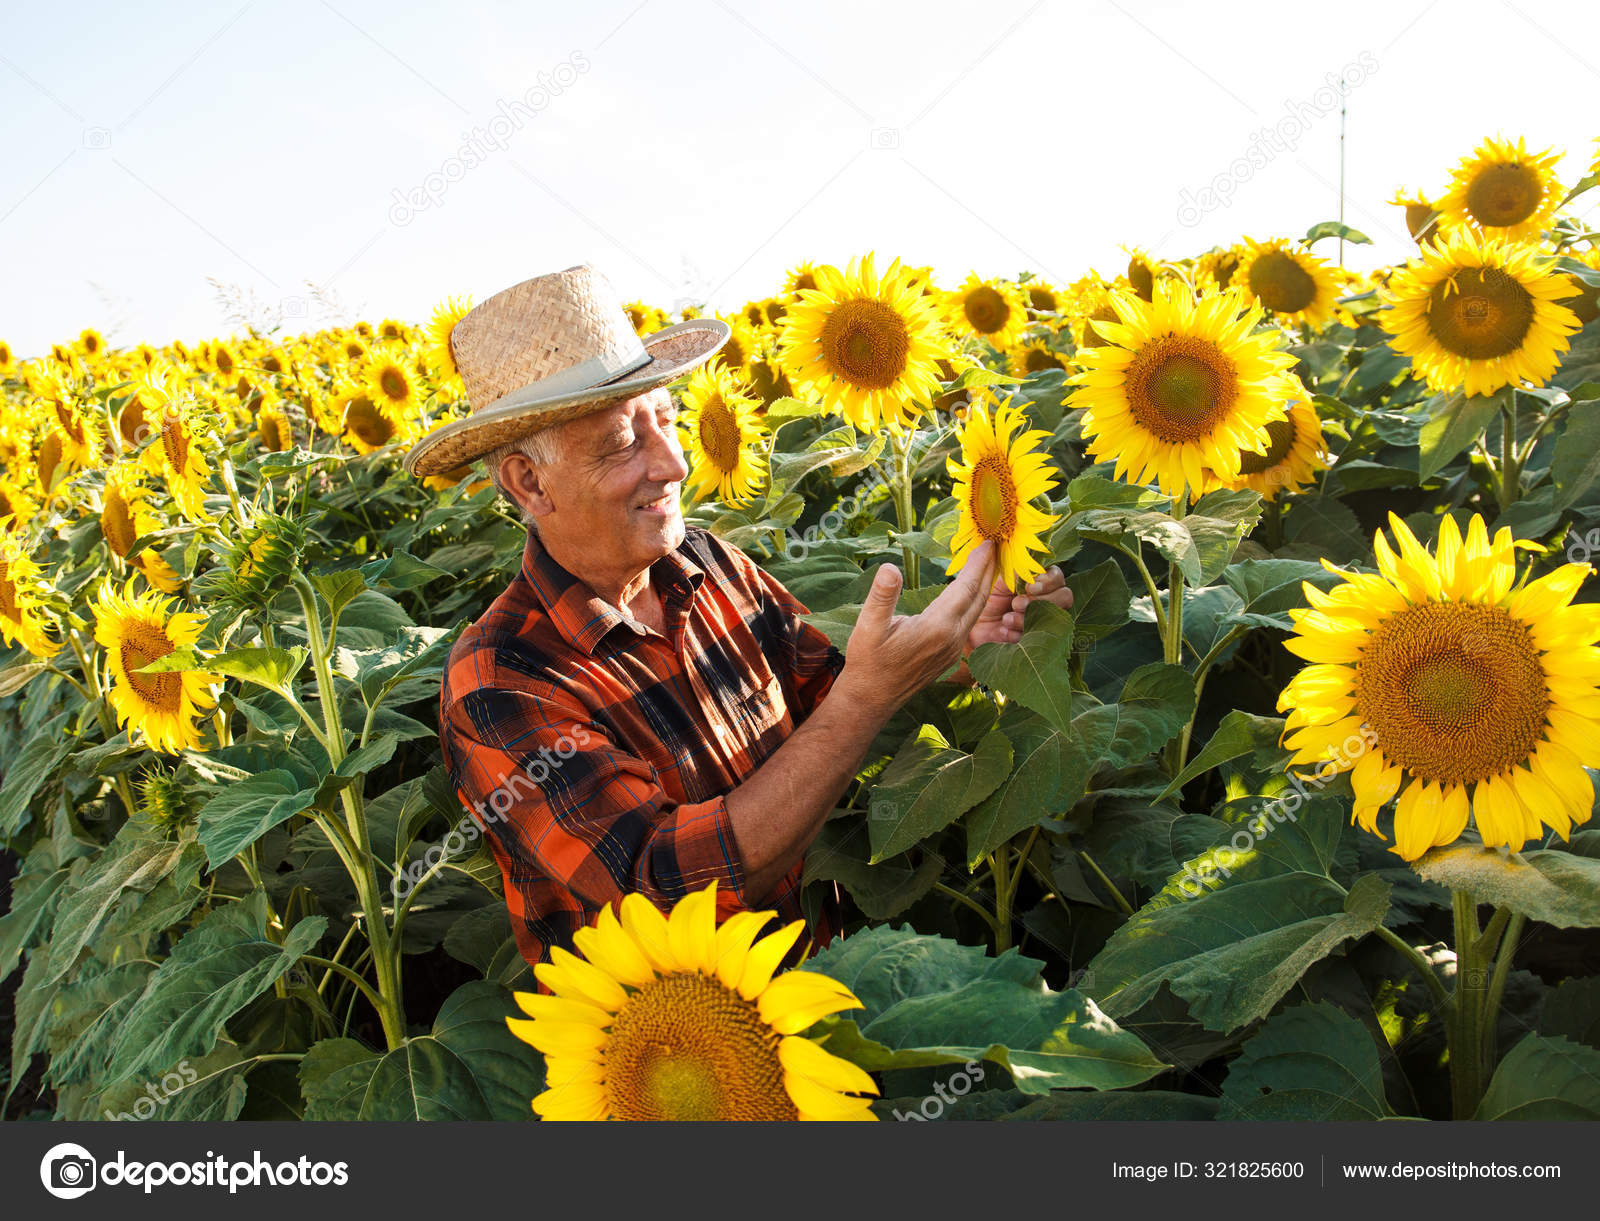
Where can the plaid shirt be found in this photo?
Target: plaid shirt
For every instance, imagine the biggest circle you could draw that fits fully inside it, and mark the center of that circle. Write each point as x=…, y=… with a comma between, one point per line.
x=597, y=753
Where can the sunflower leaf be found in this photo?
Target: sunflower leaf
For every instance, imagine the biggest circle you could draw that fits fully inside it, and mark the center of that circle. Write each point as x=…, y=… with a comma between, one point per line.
x=1309, y=1062
x=928, y=785
x=469, y=1066
x=216, y=968
x=1544, y=1078
x=1455, y=421
x=242, y=813
x=1335, y=228
x=1239, y=733
x=1233, y=953
x=1033, y=671
x=1557, y=887
x=929, y=1001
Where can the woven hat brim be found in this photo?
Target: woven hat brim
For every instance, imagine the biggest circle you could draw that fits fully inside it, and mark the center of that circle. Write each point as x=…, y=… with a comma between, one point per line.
x=673, y=352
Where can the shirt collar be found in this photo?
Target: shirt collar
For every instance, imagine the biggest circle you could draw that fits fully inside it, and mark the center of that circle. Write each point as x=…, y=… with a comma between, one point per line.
x=583, y=617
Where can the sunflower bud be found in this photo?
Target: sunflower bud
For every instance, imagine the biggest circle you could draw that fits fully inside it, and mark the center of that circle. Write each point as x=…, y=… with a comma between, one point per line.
x=162, y=800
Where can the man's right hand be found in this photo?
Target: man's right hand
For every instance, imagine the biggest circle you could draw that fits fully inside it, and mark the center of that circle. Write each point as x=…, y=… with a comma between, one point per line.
x=890, y=657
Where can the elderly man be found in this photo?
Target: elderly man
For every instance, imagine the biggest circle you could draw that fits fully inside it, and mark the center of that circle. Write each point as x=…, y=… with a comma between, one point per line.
x=643, y=709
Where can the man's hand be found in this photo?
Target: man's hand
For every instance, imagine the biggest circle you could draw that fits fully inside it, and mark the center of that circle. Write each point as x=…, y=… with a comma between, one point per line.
x=1001, y=619
x=890, y=657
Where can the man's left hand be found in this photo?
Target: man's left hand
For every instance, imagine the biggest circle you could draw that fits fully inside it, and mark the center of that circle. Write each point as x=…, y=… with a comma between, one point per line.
x=1000, y=622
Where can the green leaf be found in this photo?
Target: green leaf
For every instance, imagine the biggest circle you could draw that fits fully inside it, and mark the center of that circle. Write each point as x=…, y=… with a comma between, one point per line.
x=270, y=668
x=1033, y=671
x=1233, y=953
x=1269, y=586
x=25, y=773
x=929, y=1001
x=242, y=813
x=1556, y=887
x=470, y=1066
x=1573, y=1011
x=1042, y=758
x=216, y=968
x=368, y=758
x=339, y=589
x=928, y=785
x=1576, y=460
x=1311, y=1062
x=1156, y=703
x=1239, y=733
x=417, y=651
x=18, y=675
x=134, y=861
x=1455, y=421
x=1544, y=1079
x=882, y=891
x=1335, y=228
x=33, y=902
x=1100, y=598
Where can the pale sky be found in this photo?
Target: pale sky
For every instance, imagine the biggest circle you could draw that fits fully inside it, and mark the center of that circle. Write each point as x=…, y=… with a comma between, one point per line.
x=695, y=149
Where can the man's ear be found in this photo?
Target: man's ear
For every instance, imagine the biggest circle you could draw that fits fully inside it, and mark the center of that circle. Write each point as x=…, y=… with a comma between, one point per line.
x=527, y=484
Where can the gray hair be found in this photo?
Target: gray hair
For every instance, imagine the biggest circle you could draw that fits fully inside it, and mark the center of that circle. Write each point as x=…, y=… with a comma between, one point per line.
x=543, y=449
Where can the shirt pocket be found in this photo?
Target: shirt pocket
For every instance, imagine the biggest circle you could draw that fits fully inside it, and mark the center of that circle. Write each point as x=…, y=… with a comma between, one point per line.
x=757, y=715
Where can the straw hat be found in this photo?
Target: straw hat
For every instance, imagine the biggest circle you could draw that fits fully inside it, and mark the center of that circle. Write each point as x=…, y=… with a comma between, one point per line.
x=549, y=350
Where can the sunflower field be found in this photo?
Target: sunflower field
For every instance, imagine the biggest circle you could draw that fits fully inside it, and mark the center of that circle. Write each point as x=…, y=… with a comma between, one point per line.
x=1283, y=819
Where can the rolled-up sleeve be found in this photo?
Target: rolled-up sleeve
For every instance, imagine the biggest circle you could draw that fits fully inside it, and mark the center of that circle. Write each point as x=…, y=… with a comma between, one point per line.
x=568, y=810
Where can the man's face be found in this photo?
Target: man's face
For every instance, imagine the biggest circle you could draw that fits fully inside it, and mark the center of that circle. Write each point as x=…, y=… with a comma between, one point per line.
x=615, y=487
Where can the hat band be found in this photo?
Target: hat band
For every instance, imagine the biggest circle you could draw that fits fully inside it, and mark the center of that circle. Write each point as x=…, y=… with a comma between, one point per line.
x=585, y=375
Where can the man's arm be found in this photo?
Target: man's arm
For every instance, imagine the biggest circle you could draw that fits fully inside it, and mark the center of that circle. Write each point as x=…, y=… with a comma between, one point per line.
x=777, y=811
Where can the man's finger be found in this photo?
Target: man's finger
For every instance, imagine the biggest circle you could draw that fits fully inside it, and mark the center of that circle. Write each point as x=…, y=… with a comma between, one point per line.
x=878, y=609
x=968, y=606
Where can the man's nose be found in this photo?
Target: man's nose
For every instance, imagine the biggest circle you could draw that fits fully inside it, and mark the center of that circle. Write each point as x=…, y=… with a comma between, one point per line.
x=667, y=464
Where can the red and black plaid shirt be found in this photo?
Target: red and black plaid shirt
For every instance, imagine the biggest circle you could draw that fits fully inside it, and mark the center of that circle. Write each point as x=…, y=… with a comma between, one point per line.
x=597, y=752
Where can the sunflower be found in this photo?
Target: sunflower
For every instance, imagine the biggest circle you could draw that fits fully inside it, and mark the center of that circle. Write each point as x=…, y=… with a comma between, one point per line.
x=17, y=507
x=8, y=358
x=223, y=359
x=184, y=438
x=801, y=278
x=1295, y=448
x=390, y=331
x=995, y=311
x=1091, y=305
x=445, y=316
x=646, y=319
x=391, y=385
x=722, y=436
x=1143, y=272
x=126, y=517
x=1180, y=388
x=1504, y=191
x=273, y=427
x=866, y=345
x=136, y=630
x=1586, y=305
x=1422, y=216
x=367, y=423
x=735, y=354
x=676, y=1018
x=1473, y=695
x=1035, y=356
x=91, y=344
x=1295, y=286
x=1219, y=266
x=1044, y=298
x=1477, y=314
x=23, y=618
x=997, y=477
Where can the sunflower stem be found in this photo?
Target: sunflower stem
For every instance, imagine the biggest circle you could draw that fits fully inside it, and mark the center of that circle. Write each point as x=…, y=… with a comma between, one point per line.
x=950, y=892
x=1509, y=486
x=385, y=947
x=905, y=508
x=1274, y=524
x=1116, y=895
x=1497, y=985
x=1001, y=867
x=1173, y=639
x=1465, y=1027
x=1423, y=968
